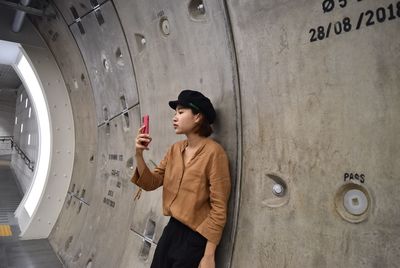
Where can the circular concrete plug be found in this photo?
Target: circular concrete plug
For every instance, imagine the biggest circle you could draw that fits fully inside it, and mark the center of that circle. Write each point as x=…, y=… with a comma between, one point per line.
x=353, y=202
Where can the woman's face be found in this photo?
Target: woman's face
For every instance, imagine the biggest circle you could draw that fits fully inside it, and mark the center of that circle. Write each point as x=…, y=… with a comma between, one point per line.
x=184, y=120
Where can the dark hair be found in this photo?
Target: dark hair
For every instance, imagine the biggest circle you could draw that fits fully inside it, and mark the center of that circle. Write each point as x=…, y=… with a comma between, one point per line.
x=204, y=129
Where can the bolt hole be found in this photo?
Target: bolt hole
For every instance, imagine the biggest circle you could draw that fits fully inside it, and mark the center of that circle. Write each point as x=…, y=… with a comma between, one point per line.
x=150, y=228
x=123, y=102
x=108, y=129
x=140, y=42
x=83, y=193
x=145, y=250
x=68, y=243
x=94, y=3
x=55, y=37
x=105, y=113
x=69, y=201
x=197, y=9
x=74, y=12
x=89, y=263
x=279, y=188
x=126, y=117
x=106, y=65
x=118, y=53
x=129, y=163
x=73, y=188
x=164, y=26
x=77, y=256
x=80, y=207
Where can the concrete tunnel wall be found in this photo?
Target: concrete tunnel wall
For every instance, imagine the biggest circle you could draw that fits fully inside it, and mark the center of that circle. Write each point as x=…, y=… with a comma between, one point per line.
x=307, y=97
x=24, y=115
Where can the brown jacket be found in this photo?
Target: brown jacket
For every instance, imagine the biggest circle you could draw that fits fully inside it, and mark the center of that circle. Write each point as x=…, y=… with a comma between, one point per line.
x=196, y=194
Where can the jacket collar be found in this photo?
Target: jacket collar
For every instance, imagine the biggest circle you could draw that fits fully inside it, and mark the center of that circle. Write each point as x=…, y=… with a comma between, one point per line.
x=202, y=144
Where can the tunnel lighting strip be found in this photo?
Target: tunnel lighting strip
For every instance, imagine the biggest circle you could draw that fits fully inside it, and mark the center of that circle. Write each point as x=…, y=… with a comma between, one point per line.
x=32, y=85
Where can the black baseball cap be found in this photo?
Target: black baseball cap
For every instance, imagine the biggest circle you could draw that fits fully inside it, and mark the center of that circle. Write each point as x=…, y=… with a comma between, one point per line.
x=196, y=100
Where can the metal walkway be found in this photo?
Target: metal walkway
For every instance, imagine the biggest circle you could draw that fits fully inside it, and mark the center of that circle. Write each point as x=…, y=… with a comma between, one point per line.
x=15, y=253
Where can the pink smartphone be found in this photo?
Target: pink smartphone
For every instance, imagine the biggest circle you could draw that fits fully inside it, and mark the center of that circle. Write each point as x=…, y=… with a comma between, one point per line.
x=146, y=123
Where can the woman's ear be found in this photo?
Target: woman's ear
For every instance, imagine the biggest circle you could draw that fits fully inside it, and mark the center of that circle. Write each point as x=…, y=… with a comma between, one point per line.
x=197, y=118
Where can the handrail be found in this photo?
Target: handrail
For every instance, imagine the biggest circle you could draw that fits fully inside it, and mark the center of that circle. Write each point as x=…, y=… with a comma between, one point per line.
x=4, y=138
x=7, y=138
x=24, y=157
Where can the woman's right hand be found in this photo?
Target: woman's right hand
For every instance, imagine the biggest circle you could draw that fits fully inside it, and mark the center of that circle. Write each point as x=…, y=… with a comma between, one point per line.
x=142, y=141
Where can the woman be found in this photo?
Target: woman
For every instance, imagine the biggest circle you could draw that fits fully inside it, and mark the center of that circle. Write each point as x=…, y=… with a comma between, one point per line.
x=196, y=186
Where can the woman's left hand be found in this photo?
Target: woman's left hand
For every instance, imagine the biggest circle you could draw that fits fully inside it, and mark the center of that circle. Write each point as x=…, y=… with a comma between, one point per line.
x=207, y=261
